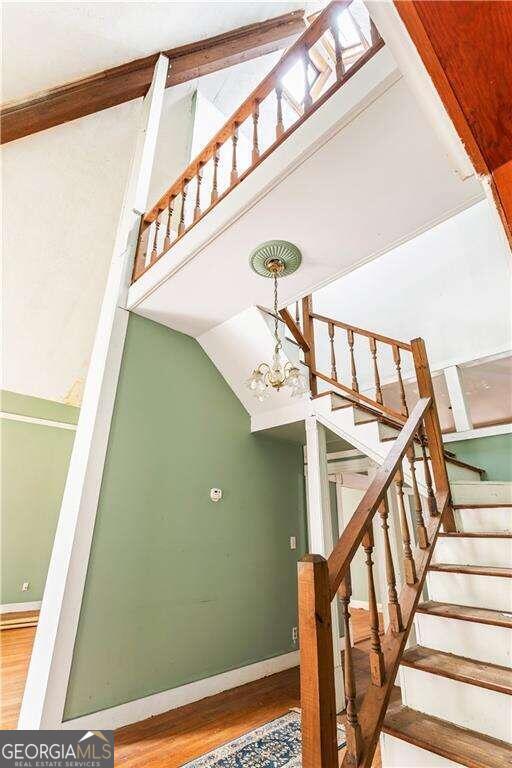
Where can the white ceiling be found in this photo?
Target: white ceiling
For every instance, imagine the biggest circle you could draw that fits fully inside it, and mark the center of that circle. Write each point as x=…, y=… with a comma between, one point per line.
x=47, y=44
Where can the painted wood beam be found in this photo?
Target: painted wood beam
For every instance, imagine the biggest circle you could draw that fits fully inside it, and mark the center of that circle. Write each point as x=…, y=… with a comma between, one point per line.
x=132, y=80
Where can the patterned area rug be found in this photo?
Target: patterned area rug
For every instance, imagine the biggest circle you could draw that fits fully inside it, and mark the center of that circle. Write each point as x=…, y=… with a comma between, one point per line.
x=274, y=745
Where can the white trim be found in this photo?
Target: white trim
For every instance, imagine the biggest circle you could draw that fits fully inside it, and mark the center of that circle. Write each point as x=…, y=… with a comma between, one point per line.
x=19, y=607
x=33, y=420
x=46, y=687
x=471, y=434
x=157, y=703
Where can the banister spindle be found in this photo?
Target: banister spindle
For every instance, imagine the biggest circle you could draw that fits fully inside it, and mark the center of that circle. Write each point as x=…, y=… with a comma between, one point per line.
x=215, y=182
x=398, y=365
x=395, y=613
x=199, y=176
x=373, y=350
x=353, y=728
x=279, y=120
x=421, y=531
x=308, y=101
x=334, y=375
x=142, y=250
x=409, y=565
x=255, y=142
x=181, y=225
x=431, y=498
x=297, y=314
x=376, y=656
x=338, y=51
x=170, y=206
x=350, y=339
x=154, y=250
x=234, y=168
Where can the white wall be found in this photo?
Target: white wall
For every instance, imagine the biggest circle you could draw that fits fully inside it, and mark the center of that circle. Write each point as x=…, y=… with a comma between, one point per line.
x=450, y=285
x=62, y=193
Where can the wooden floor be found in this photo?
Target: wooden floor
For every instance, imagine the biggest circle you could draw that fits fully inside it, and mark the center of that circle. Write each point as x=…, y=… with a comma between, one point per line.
x=183, y=734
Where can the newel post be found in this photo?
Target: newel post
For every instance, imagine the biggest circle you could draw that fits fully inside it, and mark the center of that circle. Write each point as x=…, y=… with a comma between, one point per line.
x=432, y=426
x=317, y=693
x=309, y=335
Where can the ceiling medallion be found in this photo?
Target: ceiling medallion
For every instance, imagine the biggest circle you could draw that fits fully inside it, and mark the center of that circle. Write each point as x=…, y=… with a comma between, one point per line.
x=276, y=259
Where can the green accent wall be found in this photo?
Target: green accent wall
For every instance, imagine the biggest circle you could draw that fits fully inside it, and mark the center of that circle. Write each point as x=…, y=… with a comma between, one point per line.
x=494, y=454
x=180, y=588
x=34, y=465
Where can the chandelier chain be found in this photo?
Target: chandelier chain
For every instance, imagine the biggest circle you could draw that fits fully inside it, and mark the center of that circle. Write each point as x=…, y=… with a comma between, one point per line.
x=276, y=316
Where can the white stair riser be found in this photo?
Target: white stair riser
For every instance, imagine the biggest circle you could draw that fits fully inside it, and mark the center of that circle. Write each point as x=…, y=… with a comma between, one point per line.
x=492, y=592
x=401, y=754
x=468, y=706
x=481, y=642
x=490, y=519
x=483, y=492
x=495, y=552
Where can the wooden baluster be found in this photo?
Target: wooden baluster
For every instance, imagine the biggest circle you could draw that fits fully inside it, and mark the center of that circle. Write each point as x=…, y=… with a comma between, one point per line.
x=308, y=330
x=181, y=225
x=378, y=390
x=353, y=728
x=421, y=531
x=279, y=122
x=431, y=498
x=297, y=314
x=350, y=337
x=317, y=693
x=334, y=375
x=308, y=101
x=255, y=143
x=409, y=565
x=398, y=365
x=215, y=190
x=167, y=239
x=234, y=168
x=197, y=209
x=395, y=613
x=154, y=250
x=338, y=51
x=377, y=669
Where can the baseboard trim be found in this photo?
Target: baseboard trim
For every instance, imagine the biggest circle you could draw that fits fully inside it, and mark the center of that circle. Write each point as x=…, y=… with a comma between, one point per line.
x=19, y=607
x=157, y=703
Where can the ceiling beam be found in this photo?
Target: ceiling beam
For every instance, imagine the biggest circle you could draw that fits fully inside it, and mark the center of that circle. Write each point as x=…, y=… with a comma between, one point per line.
x=132, y=80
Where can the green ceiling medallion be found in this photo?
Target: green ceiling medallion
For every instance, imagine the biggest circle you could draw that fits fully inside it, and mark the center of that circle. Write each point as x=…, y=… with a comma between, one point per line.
x=275, y=256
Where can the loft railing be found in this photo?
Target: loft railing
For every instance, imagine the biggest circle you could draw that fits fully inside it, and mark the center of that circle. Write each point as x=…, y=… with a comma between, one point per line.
x=317, y=64
x=323, y=580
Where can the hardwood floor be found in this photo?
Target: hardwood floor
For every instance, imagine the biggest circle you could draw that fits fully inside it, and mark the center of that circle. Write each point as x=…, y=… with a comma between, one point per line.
x=183, y=734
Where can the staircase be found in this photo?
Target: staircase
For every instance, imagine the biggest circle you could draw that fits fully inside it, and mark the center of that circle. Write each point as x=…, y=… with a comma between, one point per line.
x=456, y=681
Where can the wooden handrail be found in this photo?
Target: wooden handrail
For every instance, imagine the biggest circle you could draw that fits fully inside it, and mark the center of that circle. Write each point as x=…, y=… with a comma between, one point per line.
x=152, y=245
x=363, y=722
x=346, y=547
x=363, y=332
x=294, y=330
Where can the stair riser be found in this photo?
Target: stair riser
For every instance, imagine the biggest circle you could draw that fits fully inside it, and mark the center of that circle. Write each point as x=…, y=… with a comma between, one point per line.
x=401, y=754
x=492, y=592
x=481, y=642
x=495, y=552
x=491, y=519
x=486, y=492
x=468, y=706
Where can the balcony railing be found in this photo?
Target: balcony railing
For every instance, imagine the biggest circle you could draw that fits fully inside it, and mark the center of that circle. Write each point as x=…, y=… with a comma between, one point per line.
x=334, y=47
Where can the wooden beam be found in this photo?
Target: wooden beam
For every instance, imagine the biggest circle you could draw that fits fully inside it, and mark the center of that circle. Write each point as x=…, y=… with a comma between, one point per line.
x=132, y=80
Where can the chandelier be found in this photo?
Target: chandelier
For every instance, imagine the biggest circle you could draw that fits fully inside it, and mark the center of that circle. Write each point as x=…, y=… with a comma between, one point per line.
x=276, y=259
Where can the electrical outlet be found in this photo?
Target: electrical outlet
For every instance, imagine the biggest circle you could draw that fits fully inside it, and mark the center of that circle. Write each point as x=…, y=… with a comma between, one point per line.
x=295, y=634
x=25, y=586
x=293, y=542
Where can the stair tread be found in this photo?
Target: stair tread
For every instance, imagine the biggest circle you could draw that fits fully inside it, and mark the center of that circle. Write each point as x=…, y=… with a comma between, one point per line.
x=490, y=505
x=469, y=748
x=466, y=613
x=477, y=570
x=479, y=673
x=476, y=534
